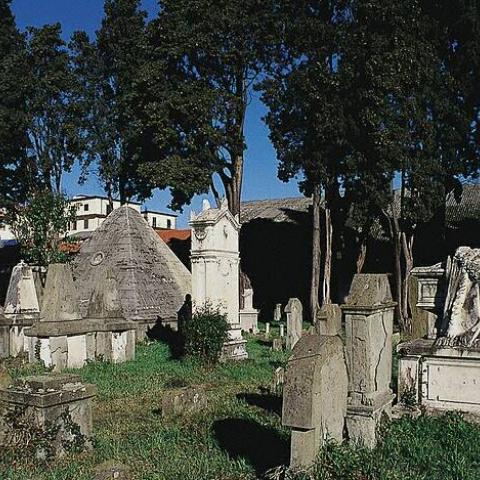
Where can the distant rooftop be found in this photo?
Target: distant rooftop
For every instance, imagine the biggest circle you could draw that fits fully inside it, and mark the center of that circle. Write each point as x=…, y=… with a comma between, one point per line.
x=276, y=210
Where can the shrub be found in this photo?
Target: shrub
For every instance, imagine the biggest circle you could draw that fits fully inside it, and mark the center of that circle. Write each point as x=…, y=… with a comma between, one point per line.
x=205, y=334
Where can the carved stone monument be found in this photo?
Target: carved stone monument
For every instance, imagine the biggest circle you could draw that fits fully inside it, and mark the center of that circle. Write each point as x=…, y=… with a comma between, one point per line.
x=442, y=373
x=215, y=269
x=368, y=314
x=315, y=394
x=63, y=339
x=294, y=311
x=21, y=310
x=277, y=313
x=152, y=282
x=58, y=405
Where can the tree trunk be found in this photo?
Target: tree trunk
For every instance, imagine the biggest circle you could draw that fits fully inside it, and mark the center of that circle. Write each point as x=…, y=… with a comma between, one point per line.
x=362, y=255
x=316, y=253
x=407, y=249
x=327, y=272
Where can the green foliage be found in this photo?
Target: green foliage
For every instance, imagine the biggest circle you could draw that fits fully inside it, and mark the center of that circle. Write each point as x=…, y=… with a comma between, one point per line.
x=204, y=57
x=40, y=226
x=13, y=115
x=107, y=71
x=205, y=334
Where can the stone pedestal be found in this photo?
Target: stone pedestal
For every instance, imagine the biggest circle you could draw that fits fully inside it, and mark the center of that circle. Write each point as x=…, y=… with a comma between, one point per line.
x=439, y=378
x=314, y=396
x=215, y=270
x=249, y=315
x=59, y=405
x=369, y=322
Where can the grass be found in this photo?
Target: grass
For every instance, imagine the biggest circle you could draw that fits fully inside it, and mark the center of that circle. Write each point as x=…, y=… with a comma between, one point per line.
x=239, y=435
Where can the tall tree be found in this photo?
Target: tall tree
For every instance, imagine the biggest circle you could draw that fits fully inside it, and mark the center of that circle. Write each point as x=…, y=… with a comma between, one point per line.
x=213, y=54
x=107, y=70
x=13, y=114
x=55, y=139
x=306, y=100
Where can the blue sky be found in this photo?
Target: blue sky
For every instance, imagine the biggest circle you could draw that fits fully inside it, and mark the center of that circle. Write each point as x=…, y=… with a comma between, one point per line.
x=260, y=180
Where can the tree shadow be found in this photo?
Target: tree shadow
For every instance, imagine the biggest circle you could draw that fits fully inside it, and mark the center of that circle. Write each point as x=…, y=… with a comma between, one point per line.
x=164, y=333
x=261, y=446
x=266, y=401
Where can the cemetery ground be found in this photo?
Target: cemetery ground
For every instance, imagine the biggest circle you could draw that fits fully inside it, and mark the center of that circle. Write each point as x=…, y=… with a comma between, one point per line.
x=238, y=435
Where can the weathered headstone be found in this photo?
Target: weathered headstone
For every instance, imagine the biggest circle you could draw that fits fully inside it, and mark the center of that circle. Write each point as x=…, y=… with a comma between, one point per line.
x=152, y=281
x=368, y=314
x=294, y=311
x=21, y=310
x=215, y=270
x=61, y=338
x=277, y=344
x=282, y=330
x=314, y=396
x=267, y=330
x=58, y=405
x=277, y=314
x=183, y=401
x=248, y=314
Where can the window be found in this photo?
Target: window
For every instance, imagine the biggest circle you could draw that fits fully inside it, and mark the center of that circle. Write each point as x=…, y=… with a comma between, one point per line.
x=85, y=207
x=169, y=223
x=154, y=222
x=85, y=223
x=74, y=225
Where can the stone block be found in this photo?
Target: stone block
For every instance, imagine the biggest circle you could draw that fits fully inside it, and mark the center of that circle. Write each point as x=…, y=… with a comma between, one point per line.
x=183, y=401
x=130, y=347
x=119, y=347
x=77, y=351
x=329, y=320
x=249, y=320
x=60, y=405
x=4, y=341
x=104, y=346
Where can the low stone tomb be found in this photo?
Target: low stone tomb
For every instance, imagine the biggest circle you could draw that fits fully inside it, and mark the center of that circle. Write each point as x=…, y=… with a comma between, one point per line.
x=294, y=311
x=368, y=311
x=21, y=311
x=442, y=373
x=57, y=406
x=314, y=396
x=248, y=314
x=183, y=401
x=63, y=339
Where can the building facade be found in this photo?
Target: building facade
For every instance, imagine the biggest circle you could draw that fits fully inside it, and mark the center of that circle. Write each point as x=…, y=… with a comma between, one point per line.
x=92, y=211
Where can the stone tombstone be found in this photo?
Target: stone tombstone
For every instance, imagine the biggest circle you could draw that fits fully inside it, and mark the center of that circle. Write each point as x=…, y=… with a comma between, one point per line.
x=314, y=396
x=48, y=401
x=215, y=269
x=277, y=313
x=61, y=338
x=442, y=373
x=248, y=314
x=21, y=310
x=183, y=401
x=294, y=311
x=368, y=311
x=329, y=320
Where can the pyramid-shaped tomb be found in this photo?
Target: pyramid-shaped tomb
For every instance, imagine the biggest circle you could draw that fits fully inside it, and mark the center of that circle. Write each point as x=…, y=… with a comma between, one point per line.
x=152, y=282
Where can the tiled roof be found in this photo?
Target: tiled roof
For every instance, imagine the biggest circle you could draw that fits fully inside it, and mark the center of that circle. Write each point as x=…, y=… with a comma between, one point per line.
x=276, y=210
x=168, y=235
x=468, y=208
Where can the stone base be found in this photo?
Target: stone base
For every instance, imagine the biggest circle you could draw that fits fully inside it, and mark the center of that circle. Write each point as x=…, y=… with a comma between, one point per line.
x=305, y=445
x=439, y=378
x=362, y=421
x=73, y=351
x=58, y=405
x=249, y=321
x=234, y=350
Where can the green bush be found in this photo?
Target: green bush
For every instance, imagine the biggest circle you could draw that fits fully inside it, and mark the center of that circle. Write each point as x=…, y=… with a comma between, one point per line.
x=205, y=334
